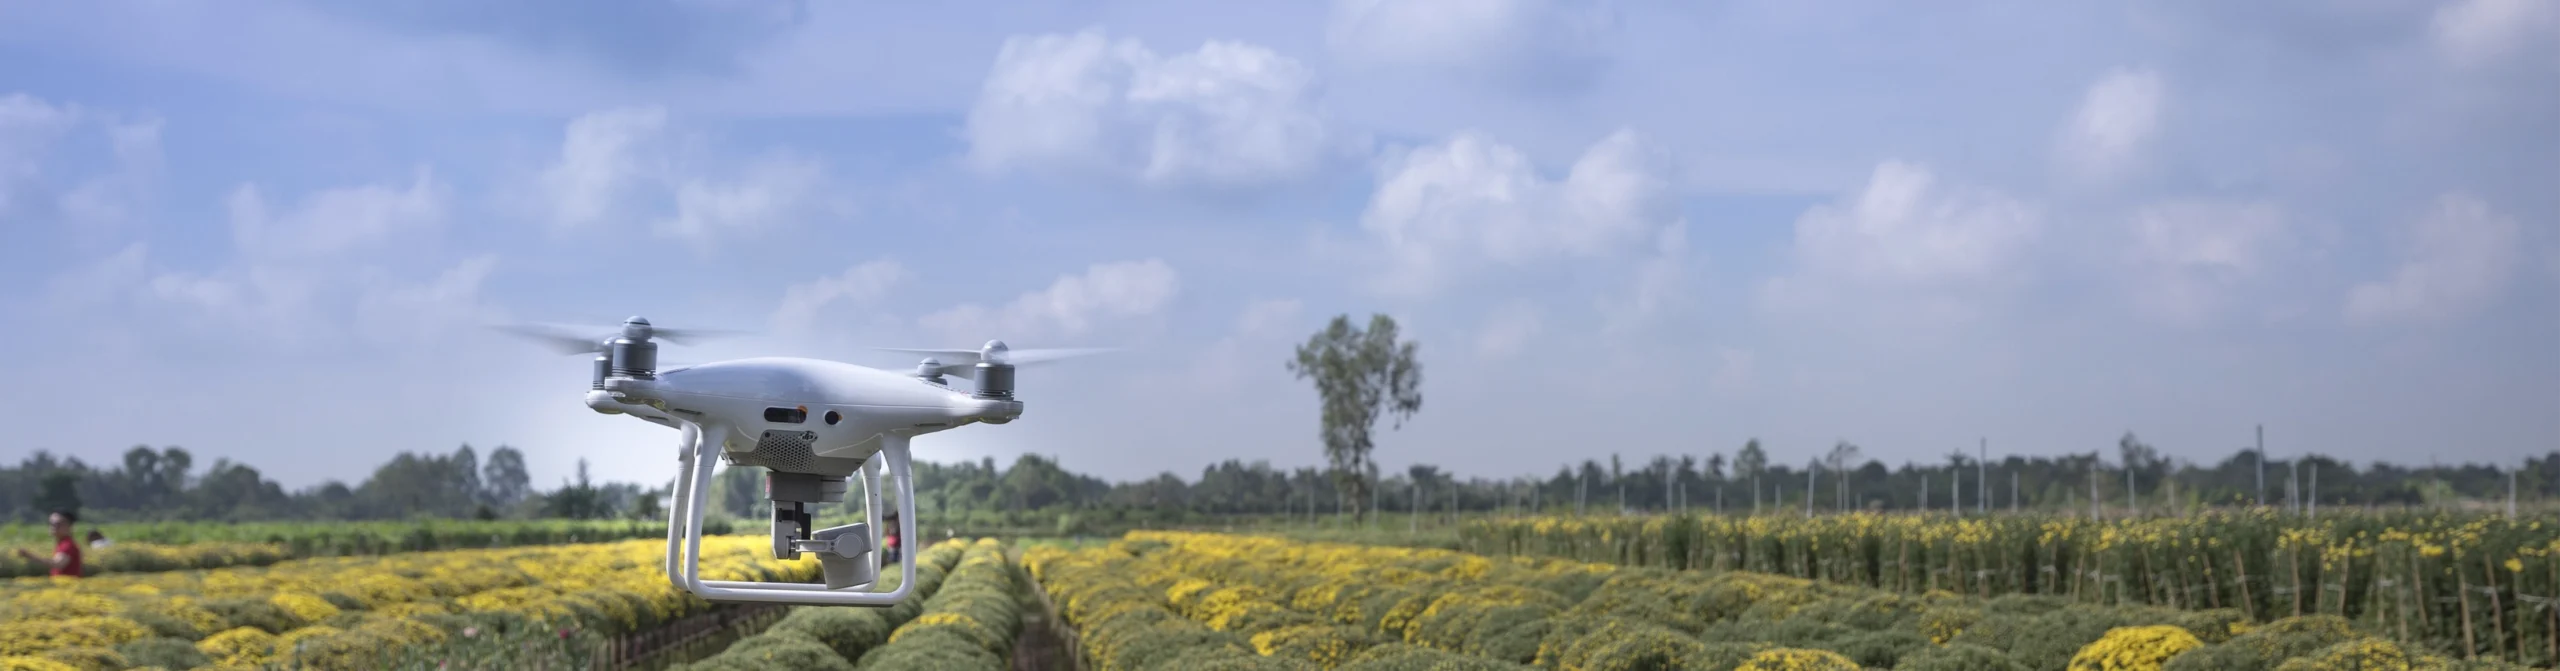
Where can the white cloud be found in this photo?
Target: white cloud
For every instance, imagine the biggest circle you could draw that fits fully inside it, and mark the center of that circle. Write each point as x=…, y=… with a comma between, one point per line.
x=391, y=311
x=600, y=157
x=621, y=164
x=28, y=128
x=2457, y=258
x=108, y=202
x=335, y=221
x=2476, y=32
x=1069, y=307
x=1228, y=114
x=1660, y=283
x=772, y=191
x=1509, y=330
x=1442, y=209
x=1268, y=317
x=1540, y=44
x=860, y=285
x=2187, y=254
x=1255, y=350
x=1907, y=228
x=2116, y=117
x=101, y=282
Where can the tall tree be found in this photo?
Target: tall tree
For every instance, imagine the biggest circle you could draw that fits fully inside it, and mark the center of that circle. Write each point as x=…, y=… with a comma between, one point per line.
x=1749, y=464
x=1359, y=375
x=504, y=477
x=59, y=490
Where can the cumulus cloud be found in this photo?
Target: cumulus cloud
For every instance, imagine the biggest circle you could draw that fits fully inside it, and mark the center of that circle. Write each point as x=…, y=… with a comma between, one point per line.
x=769, y=192
x=2455, y=259
x=301, y=274
x=1907, y=227
x=28, y=129
x=335, y=221
x=1269, y=317
x=108, y=202
x=600, y=156
x=1069, y=307
x=2477, y=32
x=1442, y=209
x=1227, y=114
x=860, y=285
x=2115, y=118
x=1533, y=44
x=628, y=163
x=391, y=310
x=102, y=203
x=2187, y=254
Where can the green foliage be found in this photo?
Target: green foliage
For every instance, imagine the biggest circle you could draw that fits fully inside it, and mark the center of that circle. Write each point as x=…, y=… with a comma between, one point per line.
x=164, y=652
x=1958, y=657
x=1360, y=374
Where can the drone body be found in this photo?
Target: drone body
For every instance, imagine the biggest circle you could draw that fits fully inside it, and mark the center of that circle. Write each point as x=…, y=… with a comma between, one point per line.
x=814, y=425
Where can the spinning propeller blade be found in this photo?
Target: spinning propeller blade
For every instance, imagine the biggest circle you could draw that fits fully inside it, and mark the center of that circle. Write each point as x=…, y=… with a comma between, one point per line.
x=579, y=340
x=962, y=363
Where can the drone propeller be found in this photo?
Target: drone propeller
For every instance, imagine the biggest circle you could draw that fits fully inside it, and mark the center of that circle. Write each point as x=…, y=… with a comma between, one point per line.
x=572, y=340
x=962, y=363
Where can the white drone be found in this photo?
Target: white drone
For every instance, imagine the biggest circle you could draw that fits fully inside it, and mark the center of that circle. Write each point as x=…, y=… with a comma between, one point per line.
x=812, y=424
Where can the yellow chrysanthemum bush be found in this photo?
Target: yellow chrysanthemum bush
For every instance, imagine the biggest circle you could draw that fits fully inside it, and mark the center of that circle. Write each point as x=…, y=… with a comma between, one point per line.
x=365, y=612
x=831, y=637
x=2135, y=649
x=1125, y=625
x=969, y=624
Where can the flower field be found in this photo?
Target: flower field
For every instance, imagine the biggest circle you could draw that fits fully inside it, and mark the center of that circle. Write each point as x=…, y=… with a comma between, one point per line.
x=356, y=612
x=2468, y=585
x=171, y=546
x=819, y=638
x=1170, y=600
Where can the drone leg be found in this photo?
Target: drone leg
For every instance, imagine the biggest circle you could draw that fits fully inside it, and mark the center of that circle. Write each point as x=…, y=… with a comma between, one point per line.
x=871, y=502
x=679, y=503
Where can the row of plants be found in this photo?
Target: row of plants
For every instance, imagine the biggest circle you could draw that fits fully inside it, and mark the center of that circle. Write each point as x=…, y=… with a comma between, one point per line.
x=359, y=612
x=173, y=546
x=2476, y=585
x=820, y=638
x=970, y=624
x=1183, y=600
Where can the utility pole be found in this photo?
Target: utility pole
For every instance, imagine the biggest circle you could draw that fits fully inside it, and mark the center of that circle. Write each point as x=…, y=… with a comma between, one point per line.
x=2293, y=485
x=2094, y=512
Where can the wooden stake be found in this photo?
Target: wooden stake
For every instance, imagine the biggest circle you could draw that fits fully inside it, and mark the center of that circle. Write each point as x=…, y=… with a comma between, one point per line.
x=2248, y=606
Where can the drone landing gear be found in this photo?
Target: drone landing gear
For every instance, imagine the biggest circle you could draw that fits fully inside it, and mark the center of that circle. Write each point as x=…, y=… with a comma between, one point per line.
x=844, y=553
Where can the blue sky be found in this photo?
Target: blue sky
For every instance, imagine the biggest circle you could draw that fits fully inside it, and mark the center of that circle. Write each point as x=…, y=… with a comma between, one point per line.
x=271, y=231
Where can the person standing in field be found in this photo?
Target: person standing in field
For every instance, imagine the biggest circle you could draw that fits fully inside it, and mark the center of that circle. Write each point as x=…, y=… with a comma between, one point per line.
x=66, y=549
x=889, y=539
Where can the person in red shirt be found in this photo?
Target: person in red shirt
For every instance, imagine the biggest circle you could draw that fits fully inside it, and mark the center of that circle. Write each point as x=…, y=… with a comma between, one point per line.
x=66, y=548
x=889, y=539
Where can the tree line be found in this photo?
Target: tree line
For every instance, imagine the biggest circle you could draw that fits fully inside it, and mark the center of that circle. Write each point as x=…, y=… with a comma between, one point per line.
x=160, y=484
